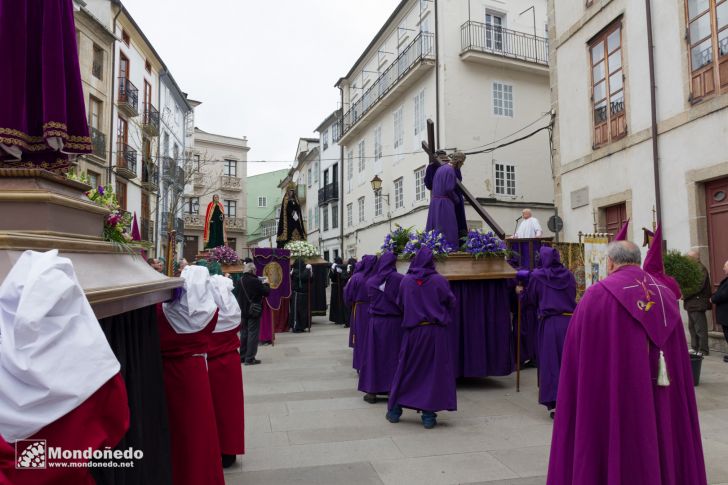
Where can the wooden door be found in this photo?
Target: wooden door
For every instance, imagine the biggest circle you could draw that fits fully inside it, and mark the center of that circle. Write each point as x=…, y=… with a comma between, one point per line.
x=146, y=212
x=716, y=199
x=615, y=216
x=147, y=98
x=191, y=248
x=123, y=66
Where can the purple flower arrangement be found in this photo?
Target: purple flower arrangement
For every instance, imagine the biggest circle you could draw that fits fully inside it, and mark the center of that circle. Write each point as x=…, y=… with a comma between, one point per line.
x=434, y=240
x=224, y=255
x=397, y=240
x=483, y=244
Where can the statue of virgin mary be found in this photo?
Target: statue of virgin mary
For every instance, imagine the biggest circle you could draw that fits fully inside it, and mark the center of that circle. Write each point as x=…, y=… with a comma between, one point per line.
x=215, y=234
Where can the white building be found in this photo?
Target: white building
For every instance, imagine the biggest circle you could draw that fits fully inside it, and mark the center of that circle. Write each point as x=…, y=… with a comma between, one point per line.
x=328, y=193
x=218, y=166
x=606, y=164
x=478, y=71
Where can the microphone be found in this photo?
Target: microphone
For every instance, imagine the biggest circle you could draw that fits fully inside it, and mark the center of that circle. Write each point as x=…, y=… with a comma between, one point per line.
x=517, y=221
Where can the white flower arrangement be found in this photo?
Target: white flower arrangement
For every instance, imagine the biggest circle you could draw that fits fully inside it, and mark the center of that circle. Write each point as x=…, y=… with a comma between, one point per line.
x=302, y=249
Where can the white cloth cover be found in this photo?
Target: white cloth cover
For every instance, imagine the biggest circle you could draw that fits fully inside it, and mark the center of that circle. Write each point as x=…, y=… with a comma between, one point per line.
x=53, y=353
x=229, y=315
x=194, y=309
x=529, y=228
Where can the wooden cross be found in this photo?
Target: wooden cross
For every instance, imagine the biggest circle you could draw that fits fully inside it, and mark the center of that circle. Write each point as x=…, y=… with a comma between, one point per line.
x=429, y=148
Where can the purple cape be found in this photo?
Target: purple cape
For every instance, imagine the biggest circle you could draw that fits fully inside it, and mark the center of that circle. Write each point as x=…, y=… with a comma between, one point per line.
x=356, y=298
x=614, y=424
x=441, y=215
x=552, y=289
x=384, y=336
x=424, y=378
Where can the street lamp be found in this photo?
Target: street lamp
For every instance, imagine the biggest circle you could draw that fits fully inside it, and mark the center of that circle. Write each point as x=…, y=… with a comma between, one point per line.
x=377, y=188
x=196, y=207
x=376, y=184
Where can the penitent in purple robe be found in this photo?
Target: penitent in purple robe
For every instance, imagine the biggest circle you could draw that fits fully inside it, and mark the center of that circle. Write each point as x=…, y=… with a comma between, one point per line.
x=653, y=265
x=384, y=336
x=441, y=215
x=552, y=289
x=356, y=297
x=424, y=378
x=615, y=423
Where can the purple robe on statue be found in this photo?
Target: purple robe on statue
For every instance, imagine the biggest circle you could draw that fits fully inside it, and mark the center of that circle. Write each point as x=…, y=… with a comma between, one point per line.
x=614, y=423
x=552, y=289
x=42, y=114
x=356, y=297
x=424, y=378
x=384, y=337
x=459, y=205
x=441, y=215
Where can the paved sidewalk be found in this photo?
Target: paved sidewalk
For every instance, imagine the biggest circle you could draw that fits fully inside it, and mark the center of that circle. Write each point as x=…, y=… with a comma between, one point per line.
x=307, y=424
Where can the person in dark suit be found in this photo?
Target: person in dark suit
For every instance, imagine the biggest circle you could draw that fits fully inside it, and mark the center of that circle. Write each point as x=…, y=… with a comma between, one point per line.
x=250, y=289
x=696, y=305
x=720, y=300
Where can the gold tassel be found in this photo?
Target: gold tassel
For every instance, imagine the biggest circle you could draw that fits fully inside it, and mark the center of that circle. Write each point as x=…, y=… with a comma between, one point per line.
x=663, y=379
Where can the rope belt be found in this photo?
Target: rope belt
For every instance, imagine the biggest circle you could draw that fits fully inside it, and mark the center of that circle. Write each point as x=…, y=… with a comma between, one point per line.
x=422, y=324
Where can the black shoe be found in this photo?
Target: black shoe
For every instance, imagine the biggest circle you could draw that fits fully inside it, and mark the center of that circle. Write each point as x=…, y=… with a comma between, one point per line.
x=252, y=362
x=297, y=331
x=725, y=358
x=228, y=460
x=370, y=398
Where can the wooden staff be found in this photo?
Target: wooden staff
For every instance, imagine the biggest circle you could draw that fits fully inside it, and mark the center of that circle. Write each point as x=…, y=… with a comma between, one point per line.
x=310, y=315
x=518, y=348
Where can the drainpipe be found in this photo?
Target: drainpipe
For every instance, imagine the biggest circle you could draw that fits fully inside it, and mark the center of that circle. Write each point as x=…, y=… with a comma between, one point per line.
x=113, y=92
x=653, y=109
x=437, y=78
x=341, y=178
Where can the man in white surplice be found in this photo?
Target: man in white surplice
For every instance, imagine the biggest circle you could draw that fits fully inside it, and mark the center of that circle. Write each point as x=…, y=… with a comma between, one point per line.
x=529, y=226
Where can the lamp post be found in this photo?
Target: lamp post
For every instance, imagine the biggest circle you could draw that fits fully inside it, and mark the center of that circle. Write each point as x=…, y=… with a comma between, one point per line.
x=196, y=207
x=377, y=188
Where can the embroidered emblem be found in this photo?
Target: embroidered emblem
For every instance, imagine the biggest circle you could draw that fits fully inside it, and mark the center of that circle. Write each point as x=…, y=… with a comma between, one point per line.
x=646, y=304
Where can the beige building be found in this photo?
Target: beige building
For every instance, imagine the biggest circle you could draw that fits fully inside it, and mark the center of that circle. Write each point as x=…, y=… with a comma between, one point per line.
x=478, y=70
x=215, y=165
x=627, y=142
x=95, y=54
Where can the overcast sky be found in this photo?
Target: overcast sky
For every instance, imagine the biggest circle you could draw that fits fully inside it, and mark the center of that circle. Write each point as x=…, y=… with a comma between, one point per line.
x=263, y=69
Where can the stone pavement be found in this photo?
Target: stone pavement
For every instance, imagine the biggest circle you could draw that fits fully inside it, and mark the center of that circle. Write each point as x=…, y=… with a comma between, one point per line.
x=307, y=424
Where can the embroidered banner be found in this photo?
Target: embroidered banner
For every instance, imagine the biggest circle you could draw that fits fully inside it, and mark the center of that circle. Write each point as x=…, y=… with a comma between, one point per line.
x=276, y=265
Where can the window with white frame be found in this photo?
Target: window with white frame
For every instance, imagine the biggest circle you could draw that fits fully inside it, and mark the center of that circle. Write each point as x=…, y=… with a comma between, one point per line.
x=361, y=153
x=420, y=189
x=398, y=127
x=325, y=138
x=325, y=210
x=262, y=201
x=494, y=23
x=336, y=131
x=230, y=167
x=318, y=220
x=349, y=170
x=502, y=99
x=310, y=216
x=361, y=209
x=505, y=179
x=425, y=25
x=315, y=172
x=309, y=177
x=377, y=204
x=398, y=193
x=334, y=216
x=378, y=143
x=349, y=214
x=192, y=204
x=420, y=112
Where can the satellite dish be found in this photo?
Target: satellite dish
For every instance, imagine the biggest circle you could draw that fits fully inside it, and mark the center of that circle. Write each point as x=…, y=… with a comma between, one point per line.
x=555, y=224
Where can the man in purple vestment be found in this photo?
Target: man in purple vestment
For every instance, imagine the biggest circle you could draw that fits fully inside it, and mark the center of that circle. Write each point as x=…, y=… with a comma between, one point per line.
x=627, y=411
x=441, y=214
x=355, y=296
x=384, y=336
x=552, y=289
x=424, y=379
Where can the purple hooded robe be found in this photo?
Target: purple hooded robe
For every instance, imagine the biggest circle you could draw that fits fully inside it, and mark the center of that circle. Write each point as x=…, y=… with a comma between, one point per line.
x=653, y=265
x=615, y=424
x=552, y=289
x=356, y=297
x=424, y=378
x=441, y=215
x=384, y=336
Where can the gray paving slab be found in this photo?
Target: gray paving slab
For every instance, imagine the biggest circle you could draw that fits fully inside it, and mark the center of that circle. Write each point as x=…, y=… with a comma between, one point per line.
x=307, y=424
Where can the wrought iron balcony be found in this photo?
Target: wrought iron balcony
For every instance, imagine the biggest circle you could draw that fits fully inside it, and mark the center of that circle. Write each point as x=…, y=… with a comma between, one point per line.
x=169, y=169
x=421, y=48
x=128, y=97
x=147, y=230
x=126, y=161
x=178, y=224
x=194, y=221
x=150, y=176
x=150, y=120
x=98, y=140
x=485, y=39
x=328, y=193
x=230, y=183
x=235, y=224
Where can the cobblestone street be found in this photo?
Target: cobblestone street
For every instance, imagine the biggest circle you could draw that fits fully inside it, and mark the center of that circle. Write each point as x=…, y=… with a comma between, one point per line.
x=307, y=424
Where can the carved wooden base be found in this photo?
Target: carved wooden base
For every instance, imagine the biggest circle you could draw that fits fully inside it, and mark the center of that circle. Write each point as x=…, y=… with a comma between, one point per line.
x=462, y=267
